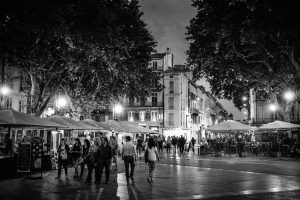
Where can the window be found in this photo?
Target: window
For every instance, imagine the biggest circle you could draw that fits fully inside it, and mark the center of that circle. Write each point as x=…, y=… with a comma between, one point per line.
x=171, y=87
x=171, y=76
x=171, y=119
x=154, y=116
x=154, y=99
x=21, y=106
x=171, y=103
x=154, y=65
x=8, y=103
x=142, y=116
x=130, y=116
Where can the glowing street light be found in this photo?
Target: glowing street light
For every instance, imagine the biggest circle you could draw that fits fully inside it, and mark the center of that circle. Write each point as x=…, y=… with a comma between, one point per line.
x=61, y=101
x=4, y=90
x=289, y=95
x=244, y=98
x=273, y=107
x=118, y=109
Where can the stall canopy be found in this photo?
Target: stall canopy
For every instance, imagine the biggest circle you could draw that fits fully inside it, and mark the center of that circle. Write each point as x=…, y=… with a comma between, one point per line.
x=139, y=129
x=116, y=126
x=278, y=125
x=92, y=123
x=230, y=125
x=70, y=123
x=15, y=118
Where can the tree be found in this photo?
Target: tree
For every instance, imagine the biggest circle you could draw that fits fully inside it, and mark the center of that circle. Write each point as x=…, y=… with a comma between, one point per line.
x=93, y=51
x=239, y=44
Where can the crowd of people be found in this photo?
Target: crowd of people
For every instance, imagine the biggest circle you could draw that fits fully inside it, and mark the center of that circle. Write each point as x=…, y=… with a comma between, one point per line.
x=100, y=155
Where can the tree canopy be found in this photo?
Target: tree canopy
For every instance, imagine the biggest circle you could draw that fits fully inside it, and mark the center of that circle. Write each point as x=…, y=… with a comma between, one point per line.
x=91, y=50
x=242, y=44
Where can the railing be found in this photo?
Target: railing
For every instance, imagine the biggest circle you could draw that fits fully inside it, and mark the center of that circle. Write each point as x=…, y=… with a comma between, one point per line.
x=146, y=104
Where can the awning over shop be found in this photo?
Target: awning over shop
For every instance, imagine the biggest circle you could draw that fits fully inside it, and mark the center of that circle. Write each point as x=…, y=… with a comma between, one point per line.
x=70, y=123
x=278, y=125
x=15, y=118
x=92, y=123
x=139, y=129
x=230, y=125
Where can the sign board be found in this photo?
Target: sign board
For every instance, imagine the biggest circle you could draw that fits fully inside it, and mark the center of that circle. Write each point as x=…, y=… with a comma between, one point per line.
x=37, y=152
x=24, y=157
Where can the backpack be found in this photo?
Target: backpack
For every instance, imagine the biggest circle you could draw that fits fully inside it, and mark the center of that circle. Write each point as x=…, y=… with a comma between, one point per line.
x=146, y=156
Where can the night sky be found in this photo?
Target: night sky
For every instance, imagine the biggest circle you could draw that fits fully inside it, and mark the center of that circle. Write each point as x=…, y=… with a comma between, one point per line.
x=167, y=21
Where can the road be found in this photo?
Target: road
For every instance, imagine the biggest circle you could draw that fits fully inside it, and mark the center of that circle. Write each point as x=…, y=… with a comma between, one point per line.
x=176, y=177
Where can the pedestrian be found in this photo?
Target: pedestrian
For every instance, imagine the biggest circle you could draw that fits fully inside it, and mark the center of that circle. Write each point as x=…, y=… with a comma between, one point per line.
x=192, y=145
x=63, y=152
x=160, y=144
x=139, y=147
x=129, y=155
x=92, y=161
x=76, y=153
x=114, y=148
x=169, y=144
x=151, y=156
x=85, y=156
x=103, y=156
x=174, y=143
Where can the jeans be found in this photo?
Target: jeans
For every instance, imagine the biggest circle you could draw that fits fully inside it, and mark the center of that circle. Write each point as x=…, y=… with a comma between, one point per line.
x=101, y=164
x=129, y=160
x=63, y=163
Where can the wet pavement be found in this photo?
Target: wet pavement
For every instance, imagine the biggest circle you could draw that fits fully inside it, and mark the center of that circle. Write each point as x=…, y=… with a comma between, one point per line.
x=176, y=177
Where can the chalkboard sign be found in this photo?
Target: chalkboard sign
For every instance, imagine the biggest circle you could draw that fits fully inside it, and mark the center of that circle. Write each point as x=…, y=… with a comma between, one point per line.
x=24, y=157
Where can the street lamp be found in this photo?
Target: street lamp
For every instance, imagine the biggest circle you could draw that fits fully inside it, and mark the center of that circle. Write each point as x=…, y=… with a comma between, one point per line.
x=289, y=96
x=273, y=107
x=244, y=98
x=117, y=109
x=61, y=101
x=4, y=90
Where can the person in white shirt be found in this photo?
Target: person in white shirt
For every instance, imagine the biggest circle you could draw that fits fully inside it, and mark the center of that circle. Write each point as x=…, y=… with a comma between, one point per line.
x=129, y=155
x=151, y=156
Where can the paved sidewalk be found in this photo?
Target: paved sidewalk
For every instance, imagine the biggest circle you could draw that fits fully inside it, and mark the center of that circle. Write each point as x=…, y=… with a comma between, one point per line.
x=176, y=177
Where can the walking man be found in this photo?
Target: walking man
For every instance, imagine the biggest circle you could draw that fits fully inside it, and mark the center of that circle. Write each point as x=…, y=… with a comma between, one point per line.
x=129, y=155
x=103, y=158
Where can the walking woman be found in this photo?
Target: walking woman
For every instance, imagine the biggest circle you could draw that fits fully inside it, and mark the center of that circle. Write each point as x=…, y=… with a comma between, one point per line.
x=63, y=152
x=76, y=152
x=151, y=156
x=85, y=156
x=103, y=156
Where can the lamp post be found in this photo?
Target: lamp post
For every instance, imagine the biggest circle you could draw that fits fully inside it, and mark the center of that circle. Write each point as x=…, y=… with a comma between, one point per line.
x=117, y=109
x=273, y=108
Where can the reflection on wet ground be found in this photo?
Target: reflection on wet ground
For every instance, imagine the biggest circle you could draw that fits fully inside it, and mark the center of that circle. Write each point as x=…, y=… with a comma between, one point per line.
x=176, y=177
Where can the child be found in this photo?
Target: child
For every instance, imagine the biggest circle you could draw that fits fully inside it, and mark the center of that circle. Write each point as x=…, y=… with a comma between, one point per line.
x=151, y=155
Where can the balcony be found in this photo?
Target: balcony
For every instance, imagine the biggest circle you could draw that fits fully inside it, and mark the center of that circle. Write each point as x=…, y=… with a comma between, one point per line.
x=146, y=104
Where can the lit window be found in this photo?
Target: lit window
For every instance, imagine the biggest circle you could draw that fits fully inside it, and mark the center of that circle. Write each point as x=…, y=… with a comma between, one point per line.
x=142, y=116
x=130, y=116
x=154, y=116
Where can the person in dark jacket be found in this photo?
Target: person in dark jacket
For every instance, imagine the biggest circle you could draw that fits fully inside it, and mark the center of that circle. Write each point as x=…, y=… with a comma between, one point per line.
x=103, y=157
x=76, y=153
x=85, y=156
x=63, y=152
